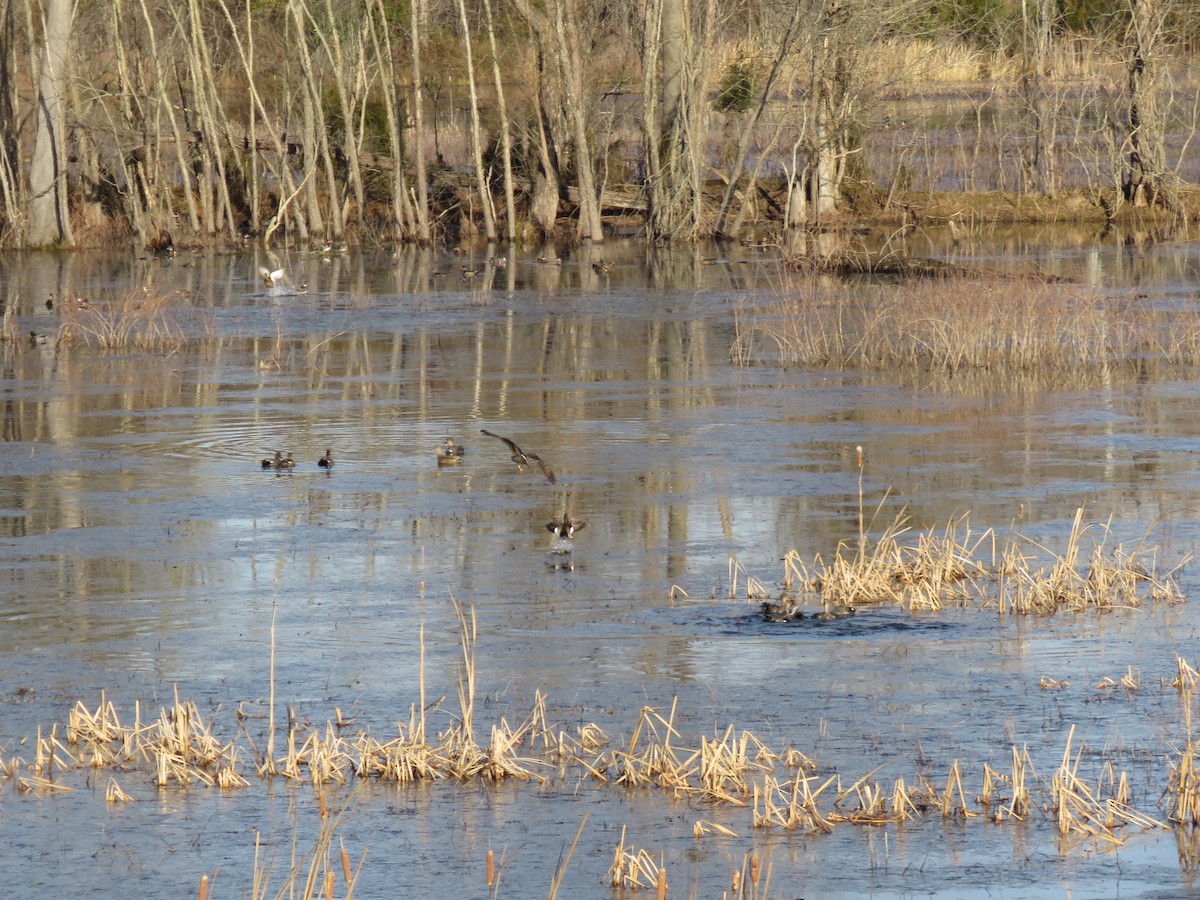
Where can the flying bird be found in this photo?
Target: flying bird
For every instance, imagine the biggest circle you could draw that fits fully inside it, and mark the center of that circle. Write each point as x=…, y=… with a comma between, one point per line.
x=564, y=531
x=521, y=458
x=565, y=527
x=272, y=279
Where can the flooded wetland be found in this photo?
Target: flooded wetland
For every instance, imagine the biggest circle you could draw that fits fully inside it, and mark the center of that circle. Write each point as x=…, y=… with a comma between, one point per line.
x=610, y=706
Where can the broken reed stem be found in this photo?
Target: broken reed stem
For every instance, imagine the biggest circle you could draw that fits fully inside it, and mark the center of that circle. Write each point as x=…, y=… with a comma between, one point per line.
x=420, y=735
x=560, y=870
x=862, y=525
x=268, y=761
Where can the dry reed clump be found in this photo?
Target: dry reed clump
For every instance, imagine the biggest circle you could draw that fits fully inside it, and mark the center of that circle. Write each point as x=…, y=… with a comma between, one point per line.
x=141, y=320
x=1083, y=811
x=730, y=769
x=959, y=326
x=633, y=868
x=939, y=570
x=955, y=566
x=1183, y=783
x=1112, y=577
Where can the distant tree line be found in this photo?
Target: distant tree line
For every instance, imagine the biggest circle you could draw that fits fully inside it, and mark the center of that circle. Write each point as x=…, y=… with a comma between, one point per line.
x=198, y=121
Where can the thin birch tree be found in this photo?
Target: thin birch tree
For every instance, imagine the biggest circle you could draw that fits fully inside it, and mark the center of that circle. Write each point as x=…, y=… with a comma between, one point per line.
x=49, y=216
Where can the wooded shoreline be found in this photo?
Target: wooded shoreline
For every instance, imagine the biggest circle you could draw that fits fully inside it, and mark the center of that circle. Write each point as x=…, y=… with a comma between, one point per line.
x=502, y=121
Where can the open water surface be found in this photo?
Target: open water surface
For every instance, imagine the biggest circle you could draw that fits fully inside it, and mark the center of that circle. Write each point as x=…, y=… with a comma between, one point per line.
x=145, y=551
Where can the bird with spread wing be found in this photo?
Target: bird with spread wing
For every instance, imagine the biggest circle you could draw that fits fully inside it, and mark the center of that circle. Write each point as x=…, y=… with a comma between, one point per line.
x=522, y=458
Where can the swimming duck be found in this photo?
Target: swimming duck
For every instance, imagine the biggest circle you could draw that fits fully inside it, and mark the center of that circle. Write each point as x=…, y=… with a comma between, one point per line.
x=520, y=457
x=288, y=463
x=835, y=610
x=326, y=461
x=782, y=610
x=449, y=453
x=468, y=273
x=550, y=260
x=500, y=262
x=275, y=463
x=601, y=267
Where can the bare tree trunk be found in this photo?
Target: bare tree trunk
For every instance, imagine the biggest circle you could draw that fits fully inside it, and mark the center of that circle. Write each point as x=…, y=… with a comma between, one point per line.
x=668, y=173
x=284, y=173
x=348, y=100
x=1145, y=180
x=735, y=175
x=416, y=17
x=10, y=184
x=49, y=218
x=570, y=62
x=485, y=194
x=1038, y=155
x=510, y=203
x=132, y=168
x=314, y=150
x=829, y=95
x=315, y=146
x=401, y=207
x=547, y=179
x=543, y=205
x=215, y=131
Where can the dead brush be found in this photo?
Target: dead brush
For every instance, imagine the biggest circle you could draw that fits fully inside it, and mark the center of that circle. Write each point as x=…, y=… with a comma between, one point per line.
x=101, y=727
x=749, y=882
x=501, y=759
x=114, y=794
x=313, y=871
x=904, y=802
x=582, y=749
x=401, y=760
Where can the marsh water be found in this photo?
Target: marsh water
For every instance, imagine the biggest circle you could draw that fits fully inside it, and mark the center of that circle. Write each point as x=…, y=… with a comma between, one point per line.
x=145, y=551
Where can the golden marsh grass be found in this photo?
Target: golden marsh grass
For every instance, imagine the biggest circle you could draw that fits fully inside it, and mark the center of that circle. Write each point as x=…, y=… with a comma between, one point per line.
x=957, y=326
x=729, y=769
x=955, y=566
x=136, y=320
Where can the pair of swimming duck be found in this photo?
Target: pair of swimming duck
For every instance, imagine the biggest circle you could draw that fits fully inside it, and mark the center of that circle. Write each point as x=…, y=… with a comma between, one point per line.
x=787, y=609
x=279, y=461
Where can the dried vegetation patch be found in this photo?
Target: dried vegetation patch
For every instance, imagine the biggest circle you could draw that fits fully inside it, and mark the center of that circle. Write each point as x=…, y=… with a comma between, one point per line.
x=952, y=326
x=141, y=320
x=955, y=566
x=731, y=768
